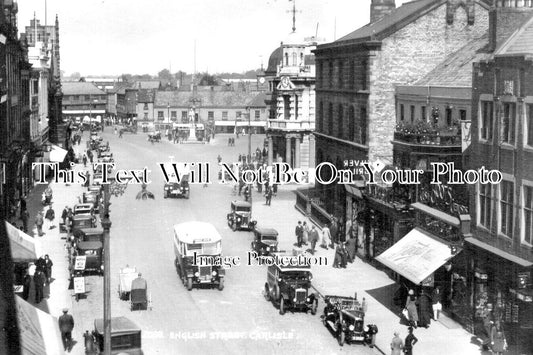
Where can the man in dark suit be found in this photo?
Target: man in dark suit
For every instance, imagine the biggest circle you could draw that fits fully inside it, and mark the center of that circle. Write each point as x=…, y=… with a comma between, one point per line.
x=38, y=281
x=66, y=325
x=26, y=285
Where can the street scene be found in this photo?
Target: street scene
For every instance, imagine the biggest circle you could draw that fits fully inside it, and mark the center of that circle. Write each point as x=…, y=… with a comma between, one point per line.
x=368, y=192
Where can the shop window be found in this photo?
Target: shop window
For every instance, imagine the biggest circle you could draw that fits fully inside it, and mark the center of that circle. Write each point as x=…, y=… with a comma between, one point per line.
x=184, y=118
x=486, y=120
x=173, y=115
x=257, y=115
x=160, y=115
x=528, y=214
x=210, y=115
x=506, y=207
x=485, y=206
x=508, y=122
x=529, y=125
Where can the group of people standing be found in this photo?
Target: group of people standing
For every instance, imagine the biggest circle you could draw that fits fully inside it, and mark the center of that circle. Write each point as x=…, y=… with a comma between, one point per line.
x=420, y=309
x=38, y=274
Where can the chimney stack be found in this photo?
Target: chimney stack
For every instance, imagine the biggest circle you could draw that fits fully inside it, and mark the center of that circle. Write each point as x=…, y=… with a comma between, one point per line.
x=505, y=17
x=380, y=9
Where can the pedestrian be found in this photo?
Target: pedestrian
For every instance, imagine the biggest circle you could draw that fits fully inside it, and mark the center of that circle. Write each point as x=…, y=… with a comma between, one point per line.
x=90, y=346
x=425, y=310
x=313, y=238
x=38, y=281
x=48, y=268
x=497, y=339
x=66, y=325
x=22, y=206
x=39, y=221
x=219, y=159
x=436, y=305
x=25, y=216
x=305, y=233
x=115, y=131
x=298, y=231
x=268, y=196
x=26, y=285
x=371, y=332
x=275, y=188
x=64, y=214
x=337, y=261
x=326, y=237
x=364, y=305
x=351, y=249
x=334, y=230
x=120, y=133
x=84, y=160
x=410, y=341
x=50, y=216
x=396, y=344
x=410, y=305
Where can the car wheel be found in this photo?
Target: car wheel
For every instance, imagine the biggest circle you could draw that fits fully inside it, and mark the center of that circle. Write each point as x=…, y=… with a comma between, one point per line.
x=165, y=194
x=234, y=226
x=189, y=283
x=282, y=306
x=267, y=293
x=187, y=195
x=341, y=337
x=221, y=284
x=314, y=306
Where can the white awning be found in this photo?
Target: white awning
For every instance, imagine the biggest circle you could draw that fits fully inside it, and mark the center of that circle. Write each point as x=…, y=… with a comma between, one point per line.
x=416, y=256
x=39, y=331
x=57, y=154
x=82, y=112
x=23, y=247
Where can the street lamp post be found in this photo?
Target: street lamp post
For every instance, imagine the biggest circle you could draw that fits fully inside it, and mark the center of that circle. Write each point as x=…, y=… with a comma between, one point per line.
x=250, y=147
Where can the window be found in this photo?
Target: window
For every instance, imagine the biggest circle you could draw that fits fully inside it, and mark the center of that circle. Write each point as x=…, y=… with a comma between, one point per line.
x=173, y=115
x=286, y=59
x=87, y=97
x=340, y=122
x=462, y=115
x=341, y=74
x=412, y=113
x=320, y=117
x=319, y=74
x=364, y=70
x=506, y=207
x=485, y=206
x=302, y=59
x=529, y=125
x=80, y=98
x=294, y=59
x=528, y=214
x=508, y=120
x=145, y=106
x=423, y=113
x=225, y=115
x=211, y=115
x=160, y=115
x=351, y=75
x=351, y=124
x=145, y=115
x=330, y=119
x=448, y=117
x=486, y=120
x=286, y=107
x=363, y=125
x=238, y=115
x=257, y=115
x=330, y=73
x=184, y=116
x=402, y=113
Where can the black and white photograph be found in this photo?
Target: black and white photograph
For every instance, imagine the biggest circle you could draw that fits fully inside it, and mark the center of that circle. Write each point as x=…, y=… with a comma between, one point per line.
x=266, y=177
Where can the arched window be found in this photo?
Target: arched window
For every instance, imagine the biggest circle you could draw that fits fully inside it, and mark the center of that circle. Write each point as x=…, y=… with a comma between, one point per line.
x=294, y=59
x=286, y=59
x=340, y=121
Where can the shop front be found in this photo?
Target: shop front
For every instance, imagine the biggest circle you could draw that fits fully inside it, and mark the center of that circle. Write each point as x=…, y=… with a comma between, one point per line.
x=502, y=292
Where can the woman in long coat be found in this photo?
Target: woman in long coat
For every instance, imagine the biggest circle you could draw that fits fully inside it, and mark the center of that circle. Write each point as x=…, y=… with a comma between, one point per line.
x=498, y=339
x=425, y=310
x=410, y=305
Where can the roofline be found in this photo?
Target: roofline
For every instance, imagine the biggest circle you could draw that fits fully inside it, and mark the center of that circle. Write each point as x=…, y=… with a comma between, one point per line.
x=511, y=39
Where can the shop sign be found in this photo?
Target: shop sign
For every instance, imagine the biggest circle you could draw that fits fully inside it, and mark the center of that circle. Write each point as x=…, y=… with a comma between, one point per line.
x=480, y=275
x=523, y=279
x=429, y=281
x=79, y=284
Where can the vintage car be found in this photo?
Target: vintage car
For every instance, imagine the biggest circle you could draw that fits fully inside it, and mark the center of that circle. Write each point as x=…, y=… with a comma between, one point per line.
x=265, y=241
x=344, y=317
x=125, y=336
x=102, y=148
x=240, y=216
x=92, y=199
x=290, y=288
x=83, y=208
x=198, y=240
x=82, y=221
x=88, y=234
x=177, y=189
x=106, y=157
x=93, y=256
x=154, y=136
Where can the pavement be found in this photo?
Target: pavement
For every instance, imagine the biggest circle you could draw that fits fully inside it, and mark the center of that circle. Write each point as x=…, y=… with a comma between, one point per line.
x=442, y=337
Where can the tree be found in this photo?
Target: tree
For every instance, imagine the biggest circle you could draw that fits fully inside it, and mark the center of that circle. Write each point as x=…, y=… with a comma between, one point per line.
x=208, y=80
x=165, y=77
x=126, y=78
x=75, y=76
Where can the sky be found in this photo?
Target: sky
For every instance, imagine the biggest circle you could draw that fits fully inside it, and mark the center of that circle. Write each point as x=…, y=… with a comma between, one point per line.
x=113, y=37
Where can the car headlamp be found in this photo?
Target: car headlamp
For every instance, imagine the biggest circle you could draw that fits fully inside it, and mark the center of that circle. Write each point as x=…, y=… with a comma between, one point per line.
x=351, y=327
x=238, y=219
x=294, y=299
x=214, y=273
x=101, y=267
x=267, y=248
x=308, y=299
x=196, y=274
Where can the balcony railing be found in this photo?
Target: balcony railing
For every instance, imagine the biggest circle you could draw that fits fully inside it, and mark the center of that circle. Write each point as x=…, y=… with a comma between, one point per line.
x=297, y=70
x=439, y=139
x=291, y=125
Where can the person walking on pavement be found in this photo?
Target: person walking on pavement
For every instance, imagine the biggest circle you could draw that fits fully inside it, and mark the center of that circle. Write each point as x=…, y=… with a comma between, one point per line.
x=334, y=230
x=351, y=249
x=313, y=238
x=39, y=221
x=48, y=268
x=305, y=233
x=64, y=214
x=66, y=325
x=298, y=231
x=364, y=305
x=326, y=237
x=497, y=338
x=337, y=261
x=396, y=344
x=50, y=216
x=84, y=159
x=410, y=341
x=25, y=216
x=437, y=306
x=268, y=196
x=410, y=305
x=425, y=310
x=38, y=281
x=26, y=285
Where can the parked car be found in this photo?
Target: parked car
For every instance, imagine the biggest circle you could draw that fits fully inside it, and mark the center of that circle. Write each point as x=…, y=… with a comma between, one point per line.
x=83, y=208
x=89, y=235
x=93, y=252
x=82, y=221
x=345, y=318
x=265, y=241
x=240, y=216
x=290, y=288
x=125, y=336
x=197, y=239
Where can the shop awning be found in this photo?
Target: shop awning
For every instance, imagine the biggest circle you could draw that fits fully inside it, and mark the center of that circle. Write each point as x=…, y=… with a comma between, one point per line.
x=23, y=247
x=416, y=256
x=354, y=191
x=499, y=252
x=82, y=112
x=39, y=331
x=57, y=154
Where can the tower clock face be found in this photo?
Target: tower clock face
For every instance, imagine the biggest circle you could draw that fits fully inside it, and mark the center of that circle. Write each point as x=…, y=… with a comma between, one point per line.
x=285, y=81
x=261, y=80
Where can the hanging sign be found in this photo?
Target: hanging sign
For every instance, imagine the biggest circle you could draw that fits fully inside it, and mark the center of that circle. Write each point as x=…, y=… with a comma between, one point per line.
x=79, y=284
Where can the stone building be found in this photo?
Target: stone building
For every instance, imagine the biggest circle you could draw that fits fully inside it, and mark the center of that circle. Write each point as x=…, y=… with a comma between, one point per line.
x=358, y=73
x=291, y=72
x=502, y=214
x=83, y=100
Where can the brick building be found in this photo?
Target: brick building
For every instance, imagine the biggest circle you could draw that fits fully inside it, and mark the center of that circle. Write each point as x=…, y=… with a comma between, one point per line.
x=81, y=99
x=502, y=139
x=357, y=76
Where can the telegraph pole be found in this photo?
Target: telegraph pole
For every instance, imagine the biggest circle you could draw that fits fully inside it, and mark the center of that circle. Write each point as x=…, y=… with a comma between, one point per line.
x=106, y=224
